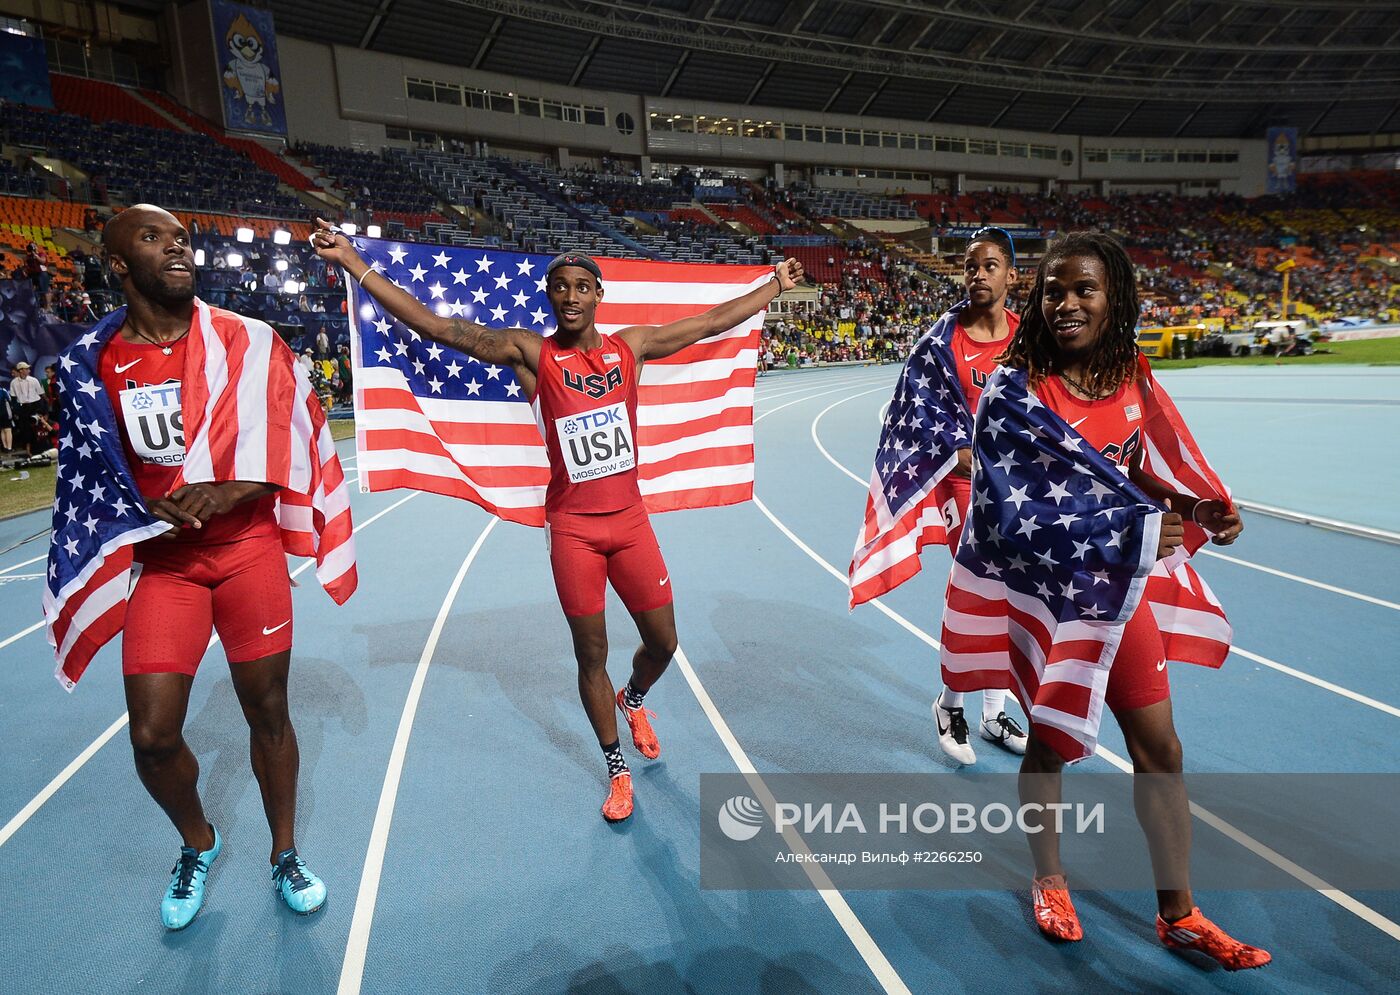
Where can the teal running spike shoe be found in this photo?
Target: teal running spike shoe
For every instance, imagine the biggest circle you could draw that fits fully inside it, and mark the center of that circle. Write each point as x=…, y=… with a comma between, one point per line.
x=298, y=886
x=185, y=896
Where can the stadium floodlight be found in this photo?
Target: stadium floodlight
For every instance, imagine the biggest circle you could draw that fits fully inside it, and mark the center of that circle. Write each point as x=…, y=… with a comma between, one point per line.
x=244, y=234
x=290, y=287
x=234, y=259
x=374, y=231
x=199, y=257
x=281, y=265
x=348, y=228
x=282, y=237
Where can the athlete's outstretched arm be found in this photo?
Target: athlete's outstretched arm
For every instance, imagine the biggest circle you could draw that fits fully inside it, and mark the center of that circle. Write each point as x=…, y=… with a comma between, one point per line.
x=517, y=348
x=658, y=341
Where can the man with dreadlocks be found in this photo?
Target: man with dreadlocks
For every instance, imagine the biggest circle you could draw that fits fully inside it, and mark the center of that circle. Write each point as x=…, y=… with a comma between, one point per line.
x=1075, y=440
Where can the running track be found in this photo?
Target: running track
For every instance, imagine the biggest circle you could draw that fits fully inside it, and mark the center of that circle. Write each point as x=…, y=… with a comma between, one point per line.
x=450, y=785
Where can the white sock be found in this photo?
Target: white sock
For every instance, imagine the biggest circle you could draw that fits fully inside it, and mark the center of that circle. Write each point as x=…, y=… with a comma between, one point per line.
x=993, y=704
x=950, y=699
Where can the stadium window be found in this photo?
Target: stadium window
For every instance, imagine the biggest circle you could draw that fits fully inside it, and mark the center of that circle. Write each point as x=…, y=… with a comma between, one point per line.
x=595, y=115
x=925, y=143
x=553, y=110
x=419, y=89
x=853, y=137
x=529, y=106
x=1224, y=157
x=573, y=114
x=446, y=93
x=870, y=138
x=1158, y=155
x=476, y=99
x=1044, y=152
x=1191, y=155
x=951, y=144
x=1016, y=150
x=976, y=146
x=1125, y=155
x=889, y=140
x=1096, y=155
x=501, y=103
x=906, y=141
x=659, y=122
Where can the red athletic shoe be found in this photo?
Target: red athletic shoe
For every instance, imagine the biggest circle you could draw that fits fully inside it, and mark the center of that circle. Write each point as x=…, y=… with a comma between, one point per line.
x=619, y=803
x=643, y=737
x=1196, y=932
x=1054, y=912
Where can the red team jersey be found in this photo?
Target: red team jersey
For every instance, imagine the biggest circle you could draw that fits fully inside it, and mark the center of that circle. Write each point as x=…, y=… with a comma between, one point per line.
x=586, y=406
x=144, y=385
x=975, y=361
x=1112, y=425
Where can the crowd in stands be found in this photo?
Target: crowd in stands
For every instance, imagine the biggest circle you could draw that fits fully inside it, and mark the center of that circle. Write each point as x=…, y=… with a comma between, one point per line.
x=1198, y=257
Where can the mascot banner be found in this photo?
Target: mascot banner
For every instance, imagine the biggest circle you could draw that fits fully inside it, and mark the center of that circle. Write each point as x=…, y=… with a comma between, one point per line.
x=250, y=78
x=1283, y=160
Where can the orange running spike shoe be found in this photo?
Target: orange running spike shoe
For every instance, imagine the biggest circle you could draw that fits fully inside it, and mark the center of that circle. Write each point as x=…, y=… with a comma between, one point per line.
x=1054, y=912
x=619, y=803
x=1196, y=932
x=643, y=737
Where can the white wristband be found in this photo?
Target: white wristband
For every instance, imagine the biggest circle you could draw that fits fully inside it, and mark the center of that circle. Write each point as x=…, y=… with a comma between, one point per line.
x=1195, y=508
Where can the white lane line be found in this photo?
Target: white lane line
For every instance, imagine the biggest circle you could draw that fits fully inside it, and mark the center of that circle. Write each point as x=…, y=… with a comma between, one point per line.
x=22, y=633
x=43, y=796
x=1308, y=518
x=1237, y=651
x=846, y=918
x=1302, y=580
x=352, y=969
x=26, y=563
x=1302, y=875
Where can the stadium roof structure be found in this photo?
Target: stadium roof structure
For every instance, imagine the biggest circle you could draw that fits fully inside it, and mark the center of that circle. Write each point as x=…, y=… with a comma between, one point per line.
x=1169, y=68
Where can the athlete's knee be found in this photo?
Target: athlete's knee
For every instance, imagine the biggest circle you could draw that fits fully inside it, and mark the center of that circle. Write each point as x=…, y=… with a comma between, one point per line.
x=661, y=648
x=591, y=652
x=153, y=742
x=1158, y=754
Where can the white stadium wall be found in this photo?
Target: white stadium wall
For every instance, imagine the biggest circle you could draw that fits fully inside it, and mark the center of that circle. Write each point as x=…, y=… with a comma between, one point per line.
x=343, y=95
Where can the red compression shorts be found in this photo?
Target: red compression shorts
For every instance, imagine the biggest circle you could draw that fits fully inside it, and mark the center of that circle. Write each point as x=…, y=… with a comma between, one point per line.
x=181, y=591
x=1138, y=677
x=619, y=547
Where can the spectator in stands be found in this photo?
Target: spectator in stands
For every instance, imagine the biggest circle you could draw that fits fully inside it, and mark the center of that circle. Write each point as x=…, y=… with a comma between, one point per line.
x=51, y=396
x=323, y=344
x=27, y=398
x=307, y=363
x=36, y=268
x=7, y=421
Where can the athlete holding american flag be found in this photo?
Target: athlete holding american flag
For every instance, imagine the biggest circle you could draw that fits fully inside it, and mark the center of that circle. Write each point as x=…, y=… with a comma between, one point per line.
x=196, y=457
x=1070, y=585
x=584, y=388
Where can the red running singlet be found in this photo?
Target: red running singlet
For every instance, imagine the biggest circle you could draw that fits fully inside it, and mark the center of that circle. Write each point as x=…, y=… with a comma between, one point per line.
x=586, y=406
x=1112, y=425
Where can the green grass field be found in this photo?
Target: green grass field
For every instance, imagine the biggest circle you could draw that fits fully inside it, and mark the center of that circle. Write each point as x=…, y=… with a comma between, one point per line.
x=17, y=496
x=1371, y=352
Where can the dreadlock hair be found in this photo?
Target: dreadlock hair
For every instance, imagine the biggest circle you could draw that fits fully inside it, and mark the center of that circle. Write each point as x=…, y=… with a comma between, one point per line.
x=1113, y=361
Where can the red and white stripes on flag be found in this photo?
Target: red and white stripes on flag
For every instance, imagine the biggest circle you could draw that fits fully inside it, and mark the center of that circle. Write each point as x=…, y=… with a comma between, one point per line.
x=996, y=637
x=694, y=414
x=249, y=413
x=254, y=416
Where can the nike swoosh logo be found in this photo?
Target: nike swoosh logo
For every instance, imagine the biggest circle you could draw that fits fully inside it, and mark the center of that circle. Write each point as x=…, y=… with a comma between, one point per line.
x=1162, y=665
x=268, y=632
x=1076, y=424
x=665, y=580
x=123, y=369
x=562, y=358
x=968, y=359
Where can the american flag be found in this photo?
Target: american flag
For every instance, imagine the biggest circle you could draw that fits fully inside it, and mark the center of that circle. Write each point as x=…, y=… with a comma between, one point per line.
x=1058, y=552
x=926, y=424
x=249, y=413
x=434, y=419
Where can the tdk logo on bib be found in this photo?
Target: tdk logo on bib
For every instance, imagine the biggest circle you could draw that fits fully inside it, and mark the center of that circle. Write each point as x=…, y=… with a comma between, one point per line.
x=154, y=424
x=596, y=443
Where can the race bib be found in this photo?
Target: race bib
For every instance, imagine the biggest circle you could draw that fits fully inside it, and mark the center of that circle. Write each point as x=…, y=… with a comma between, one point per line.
x=596, y=443
x=154, y=424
